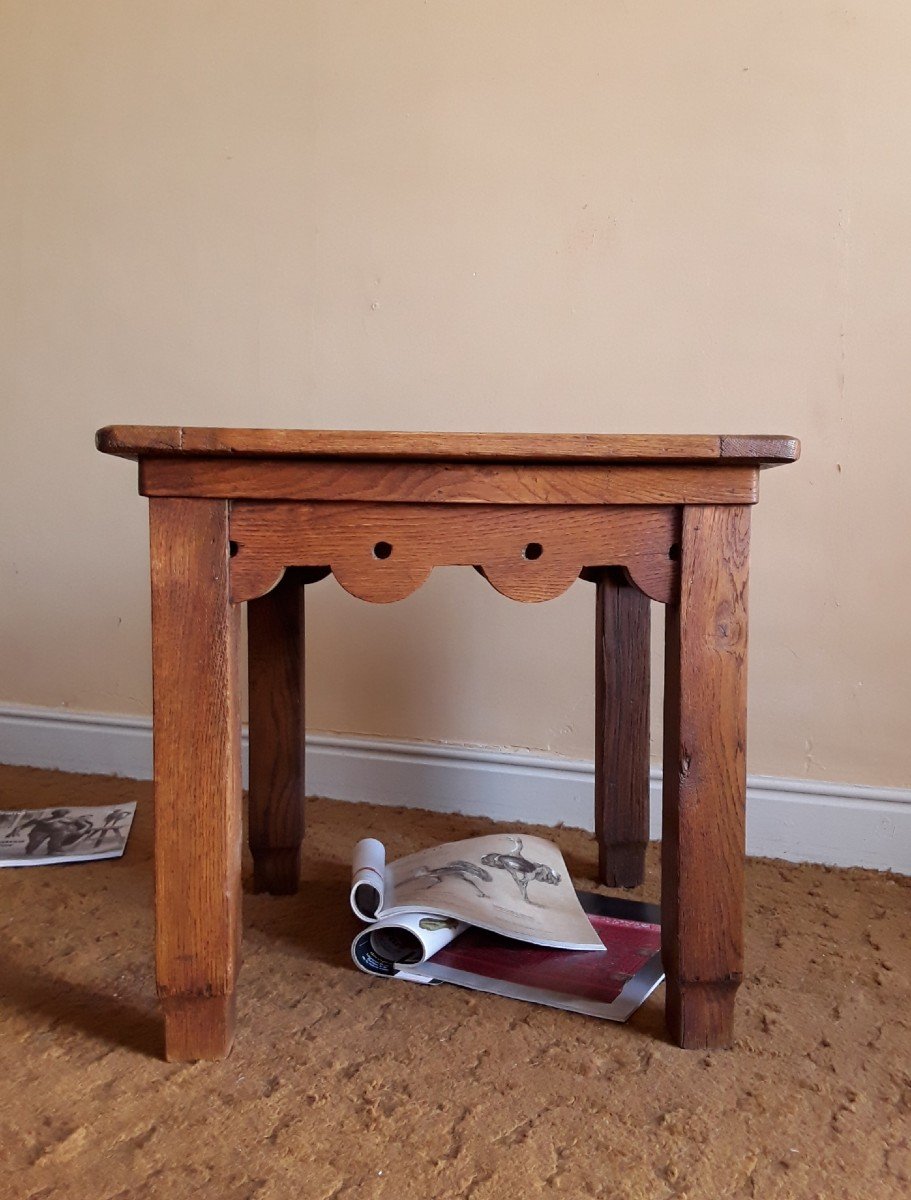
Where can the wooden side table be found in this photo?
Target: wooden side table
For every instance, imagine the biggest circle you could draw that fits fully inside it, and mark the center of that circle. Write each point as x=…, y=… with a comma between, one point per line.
x=251, y=516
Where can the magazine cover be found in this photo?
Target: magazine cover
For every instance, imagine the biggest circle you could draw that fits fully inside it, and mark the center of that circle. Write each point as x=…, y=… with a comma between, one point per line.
x=40, y=836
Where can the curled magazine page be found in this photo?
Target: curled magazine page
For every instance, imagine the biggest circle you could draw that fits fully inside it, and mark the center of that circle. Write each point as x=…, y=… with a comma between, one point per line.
x=368, y=878
x=393, y=944
x=511, y=883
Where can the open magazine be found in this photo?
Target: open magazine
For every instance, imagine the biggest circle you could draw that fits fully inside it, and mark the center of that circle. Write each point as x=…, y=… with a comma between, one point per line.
x=499, y=914
x=39, y=836
x=514, y=885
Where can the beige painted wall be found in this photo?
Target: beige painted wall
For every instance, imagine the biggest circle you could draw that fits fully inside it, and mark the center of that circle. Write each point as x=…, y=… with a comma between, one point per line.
x=517, y=215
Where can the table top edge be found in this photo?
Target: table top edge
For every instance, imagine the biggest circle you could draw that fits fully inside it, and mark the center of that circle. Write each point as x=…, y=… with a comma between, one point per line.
x=146, y=441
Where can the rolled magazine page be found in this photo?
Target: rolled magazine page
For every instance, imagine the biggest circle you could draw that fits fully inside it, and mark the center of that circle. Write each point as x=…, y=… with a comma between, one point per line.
x=368, y=878
x=392, y=945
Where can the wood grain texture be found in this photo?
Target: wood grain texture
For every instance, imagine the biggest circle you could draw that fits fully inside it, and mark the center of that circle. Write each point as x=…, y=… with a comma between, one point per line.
x=417, y=482
x=197, y=776
x=138, y=441
x=622, y=679
x=703, y=841
x=383, y=552
x=752, y=447
x=275, y=642
x=199, y=1028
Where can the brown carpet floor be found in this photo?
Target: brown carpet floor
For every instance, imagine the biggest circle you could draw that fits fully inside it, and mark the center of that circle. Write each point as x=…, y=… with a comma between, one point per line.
x=341, y=1086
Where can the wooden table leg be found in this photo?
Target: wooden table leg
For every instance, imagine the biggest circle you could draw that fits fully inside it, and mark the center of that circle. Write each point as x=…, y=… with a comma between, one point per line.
x=622, y=669
x=703, y=840
x=275, y=627
x=197, y=776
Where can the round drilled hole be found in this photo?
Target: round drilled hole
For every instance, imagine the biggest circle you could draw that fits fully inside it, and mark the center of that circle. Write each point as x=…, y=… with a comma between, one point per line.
x=382, y=550
x=533, y=550
x=233, y=548
x=674, y=552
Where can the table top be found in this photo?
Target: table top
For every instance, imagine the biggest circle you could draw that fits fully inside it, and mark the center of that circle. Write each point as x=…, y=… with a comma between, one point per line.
x=147, y=441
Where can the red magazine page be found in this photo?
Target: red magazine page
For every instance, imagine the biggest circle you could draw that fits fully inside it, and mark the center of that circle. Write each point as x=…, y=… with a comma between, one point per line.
x=628, y=947
x=610, y=985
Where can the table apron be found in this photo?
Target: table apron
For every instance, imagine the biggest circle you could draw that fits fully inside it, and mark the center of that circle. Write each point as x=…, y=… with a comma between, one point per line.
x=420, y=482
x=383, y=552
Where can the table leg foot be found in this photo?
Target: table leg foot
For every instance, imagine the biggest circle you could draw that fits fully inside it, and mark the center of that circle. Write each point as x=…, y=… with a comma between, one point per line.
x=621, y=865
x=277, y=870
x=700, y=1016
x=198, y=1027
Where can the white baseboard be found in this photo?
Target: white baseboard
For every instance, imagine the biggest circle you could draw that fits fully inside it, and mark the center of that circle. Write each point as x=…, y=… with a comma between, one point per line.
x=798, y=820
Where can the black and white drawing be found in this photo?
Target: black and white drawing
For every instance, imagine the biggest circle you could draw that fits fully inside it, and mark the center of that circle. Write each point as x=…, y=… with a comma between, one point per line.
x=510, y=883
x=49, y=833
x=522, y=870
x=468, y=872
x=112, y=827
x=31, y=837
